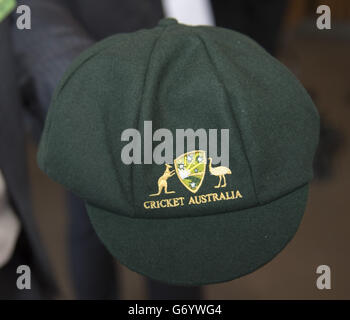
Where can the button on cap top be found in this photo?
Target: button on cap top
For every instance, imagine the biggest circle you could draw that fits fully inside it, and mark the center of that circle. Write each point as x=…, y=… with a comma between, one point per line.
x=167, y=21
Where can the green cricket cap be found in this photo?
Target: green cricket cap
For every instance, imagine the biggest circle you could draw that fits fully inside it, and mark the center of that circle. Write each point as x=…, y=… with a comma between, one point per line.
x=192, y=221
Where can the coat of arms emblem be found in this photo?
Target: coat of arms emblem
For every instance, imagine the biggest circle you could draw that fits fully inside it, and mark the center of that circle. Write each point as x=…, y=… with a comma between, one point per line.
x=190, y=168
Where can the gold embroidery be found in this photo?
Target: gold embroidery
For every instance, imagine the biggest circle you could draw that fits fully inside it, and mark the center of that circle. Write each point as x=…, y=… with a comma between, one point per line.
x=190, y=168
x=164, y=203
x=193, y=200
x=219, y=172
x=162, y=181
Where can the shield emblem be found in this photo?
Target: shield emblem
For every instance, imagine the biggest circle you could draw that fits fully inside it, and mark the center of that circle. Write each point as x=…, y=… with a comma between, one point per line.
x=190, y=169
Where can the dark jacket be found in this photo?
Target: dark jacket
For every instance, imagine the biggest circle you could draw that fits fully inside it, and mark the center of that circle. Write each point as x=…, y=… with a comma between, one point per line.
x=258, y=19
x=14, y=168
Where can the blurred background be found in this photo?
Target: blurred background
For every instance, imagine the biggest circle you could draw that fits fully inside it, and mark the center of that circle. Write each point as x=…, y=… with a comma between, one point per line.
x=287, y=29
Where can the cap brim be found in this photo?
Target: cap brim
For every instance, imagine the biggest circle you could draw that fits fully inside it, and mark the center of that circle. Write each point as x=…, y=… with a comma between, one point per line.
x=202, y=250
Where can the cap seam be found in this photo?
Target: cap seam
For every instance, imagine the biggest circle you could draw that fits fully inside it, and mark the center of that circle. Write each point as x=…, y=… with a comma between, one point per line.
x=138, y=116
x=107, y=139
x=81, y=59
x=56, y=95
x=236, y=121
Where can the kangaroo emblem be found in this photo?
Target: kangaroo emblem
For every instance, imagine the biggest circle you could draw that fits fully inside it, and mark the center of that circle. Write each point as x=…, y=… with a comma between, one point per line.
x=162, y=181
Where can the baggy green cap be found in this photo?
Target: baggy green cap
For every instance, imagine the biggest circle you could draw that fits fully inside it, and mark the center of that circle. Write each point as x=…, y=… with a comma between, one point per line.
x=191, y=221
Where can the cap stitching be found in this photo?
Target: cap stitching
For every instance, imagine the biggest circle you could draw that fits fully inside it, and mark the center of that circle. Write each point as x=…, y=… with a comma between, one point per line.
x=74, y=67
x=236, y=121
x=108, y=140
x=138, y=116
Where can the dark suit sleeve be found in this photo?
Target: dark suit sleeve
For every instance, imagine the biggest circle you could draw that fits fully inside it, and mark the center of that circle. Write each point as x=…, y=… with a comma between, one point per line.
x=29, y=248
x=44, y=52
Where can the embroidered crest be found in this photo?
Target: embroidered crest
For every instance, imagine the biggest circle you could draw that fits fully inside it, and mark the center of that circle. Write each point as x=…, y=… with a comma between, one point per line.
x=190, y=168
